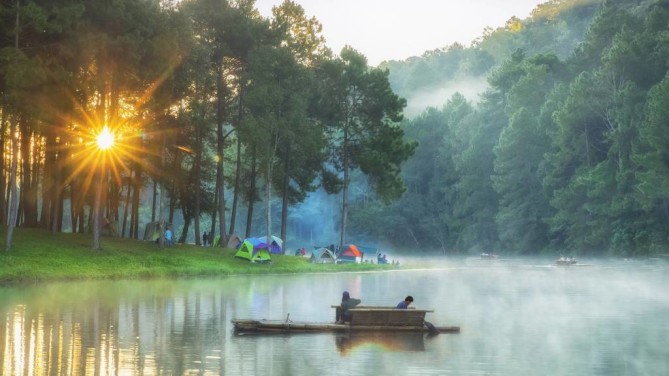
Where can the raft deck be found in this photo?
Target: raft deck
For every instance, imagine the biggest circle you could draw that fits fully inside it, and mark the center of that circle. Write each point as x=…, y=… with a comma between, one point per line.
x=363, y=318
x=279, y=326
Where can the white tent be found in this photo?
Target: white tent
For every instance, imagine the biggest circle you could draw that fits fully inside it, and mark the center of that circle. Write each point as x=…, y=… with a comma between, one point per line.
x=234, y=241
x=323, y=256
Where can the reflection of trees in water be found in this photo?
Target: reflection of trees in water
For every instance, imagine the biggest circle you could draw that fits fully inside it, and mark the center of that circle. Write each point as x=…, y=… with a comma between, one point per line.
x=387, y=341
x=172, y=335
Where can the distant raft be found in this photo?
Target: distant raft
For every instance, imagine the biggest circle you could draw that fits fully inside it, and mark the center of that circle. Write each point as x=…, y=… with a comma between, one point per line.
x=565, y=261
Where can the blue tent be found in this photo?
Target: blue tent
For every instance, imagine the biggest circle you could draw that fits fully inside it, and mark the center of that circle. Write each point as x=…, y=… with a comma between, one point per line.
x=275, y=246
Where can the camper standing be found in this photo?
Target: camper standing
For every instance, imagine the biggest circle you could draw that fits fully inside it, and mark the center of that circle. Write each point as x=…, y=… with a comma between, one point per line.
x=168, y=237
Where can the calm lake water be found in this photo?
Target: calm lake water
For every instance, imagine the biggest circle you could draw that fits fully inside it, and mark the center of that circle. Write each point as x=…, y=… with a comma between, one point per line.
x=516, y=318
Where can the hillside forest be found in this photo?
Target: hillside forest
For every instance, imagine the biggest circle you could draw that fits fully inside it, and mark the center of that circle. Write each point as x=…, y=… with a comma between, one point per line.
x=546, y=135
x=565, y=150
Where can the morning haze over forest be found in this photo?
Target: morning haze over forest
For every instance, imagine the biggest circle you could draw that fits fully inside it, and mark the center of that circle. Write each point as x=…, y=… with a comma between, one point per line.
x=547, y=135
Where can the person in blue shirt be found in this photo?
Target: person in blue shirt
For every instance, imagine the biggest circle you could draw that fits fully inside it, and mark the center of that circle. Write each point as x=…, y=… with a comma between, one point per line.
x=168, y=237
x=404, y=304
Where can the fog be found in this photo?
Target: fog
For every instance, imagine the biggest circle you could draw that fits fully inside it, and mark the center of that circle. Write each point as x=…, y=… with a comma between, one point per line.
x=469, y=87
x=517, y=317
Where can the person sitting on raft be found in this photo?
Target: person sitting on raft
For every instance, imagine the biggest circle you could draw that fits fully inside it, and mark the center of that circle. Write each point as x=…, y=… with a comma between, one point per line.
x=404, y=304
x=347, y=303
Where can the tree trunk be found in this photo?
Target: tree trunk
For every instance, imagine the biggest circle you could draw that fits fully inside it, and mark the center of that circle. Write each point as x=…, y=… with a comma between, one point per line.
x=3, y=168
x=48, y=183
x=28, y=205
x=251, y=194
x=73, y=208
x=268, y=198
x=197, y=179
x=59, y=193
x=212, y=229
x=60, y=207
x=284, y=200
x=136, y=191
x=127, y=204
x=221, y=92
x=344, y=207
x=235, y=193
x=77, y=202
x=238, y=163
x=161, y=220
x=97, y=212
x=184, y=232
x=153, y=204
x=176, y=166
x=13, y=200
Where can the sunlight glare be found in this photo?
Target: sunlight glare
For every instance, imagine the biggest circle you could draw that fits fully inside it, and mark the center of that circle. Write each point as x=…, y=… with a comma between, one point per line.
x=105, y=139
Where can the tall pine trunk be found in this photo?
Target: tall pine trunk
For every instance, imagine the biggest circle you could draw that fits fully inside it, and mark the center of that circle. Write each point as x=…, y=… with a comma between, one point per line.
x=136, y=191
x=28, y=206
x=214, y=211
x=13, y=199
x=238, y=163
x=284, y=200
x=154, y=198
x=126, y=204
x=97, y=207
x=251, y=194
x=197, y=179
x=3, y=169
x=344, y=206
x=221, y=92
x=236, y=192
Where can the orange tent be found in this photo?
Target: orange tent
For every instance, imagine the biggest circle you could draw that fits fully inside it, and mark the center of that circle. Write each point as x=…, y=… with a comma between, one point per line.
x=352, y=250
x=351, y=253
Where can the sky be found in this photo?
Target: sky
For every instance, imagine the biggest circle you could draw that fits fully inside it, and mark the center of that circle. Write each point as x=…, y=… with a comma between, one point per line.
x=398, y=29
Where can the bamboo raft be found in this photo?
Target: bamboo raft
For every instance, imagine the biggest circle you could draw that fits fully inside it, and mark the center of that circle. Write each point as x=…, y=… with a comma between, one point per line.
x=364, y=319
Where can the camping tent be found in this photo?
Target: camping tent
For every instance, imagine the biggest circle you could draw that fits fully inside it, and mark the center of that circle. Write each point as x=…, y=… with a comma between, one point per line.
x=276, y=246
x=257, y=252
x=350, y=253
x=151, y=231
x=322, y=256
x=234, y=241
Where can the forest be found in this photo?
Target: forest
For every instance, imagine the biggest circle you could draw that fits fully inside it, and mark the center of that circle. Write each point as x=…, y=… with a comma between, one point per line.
x=564, y=151
x=543, y=136
x=206, y=106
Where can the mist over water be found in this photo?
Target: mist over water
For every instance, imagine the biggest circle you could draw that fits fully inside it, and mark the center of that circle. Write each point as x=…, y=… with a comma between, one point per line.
x=517, y=317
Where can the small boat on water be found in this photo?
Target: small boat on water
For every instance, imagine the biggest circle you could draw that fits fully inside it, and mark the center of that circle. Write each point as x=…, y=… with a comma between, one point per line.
x=364, y=319
x=565, y=261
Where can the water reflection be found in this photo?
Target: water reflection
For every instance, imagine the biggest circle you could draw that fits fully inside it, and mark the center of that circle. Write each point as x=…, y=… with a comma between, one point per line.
x=347, y=343
x=110, y=329
x=516, y=319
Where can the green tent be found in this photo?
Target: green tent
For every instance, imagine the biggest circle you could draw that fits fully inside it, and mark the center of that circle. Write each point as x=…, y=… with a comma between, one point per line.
x=257, y=253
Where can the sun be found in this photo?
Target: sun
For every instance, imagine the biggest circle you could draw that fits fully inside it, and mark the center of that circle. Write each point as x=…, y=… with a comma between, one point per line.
x=105, y=139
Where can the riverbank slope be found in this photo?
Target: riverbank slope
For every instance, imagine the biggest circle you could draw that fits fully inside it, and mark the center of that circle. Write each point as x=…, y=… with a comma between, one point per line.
x=39, y=255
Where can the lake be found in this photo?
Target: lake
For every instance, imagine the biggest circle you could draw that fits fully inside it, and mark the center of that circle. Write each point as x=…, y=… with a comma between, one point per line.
x=517, y=317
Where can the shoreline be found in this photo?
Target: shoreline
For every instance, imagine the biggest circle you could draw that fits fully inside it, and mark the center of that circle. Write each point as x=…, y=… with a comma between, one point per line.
x=43, y=256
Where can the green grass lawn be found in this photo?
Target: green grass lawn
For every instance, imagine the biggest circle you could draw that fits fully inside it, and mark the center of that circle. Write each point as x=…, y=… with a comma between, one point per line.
x=39, y=255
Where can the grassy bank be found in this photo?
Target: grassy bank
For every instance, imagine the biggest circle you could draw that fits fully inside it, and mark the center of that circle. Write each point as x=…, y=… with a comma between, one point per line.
x=39, y=255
